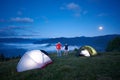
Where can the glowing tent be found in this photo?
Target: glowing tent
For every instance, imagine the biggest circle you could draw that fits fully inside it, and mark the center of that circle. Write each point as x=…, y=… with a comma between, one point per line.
x=87, y=51
x=32, y=60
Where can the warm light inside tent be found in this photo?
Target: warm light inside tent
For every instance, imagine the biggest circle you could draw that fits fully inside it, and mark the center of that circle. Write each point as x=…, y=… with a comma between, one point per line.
x=85, y=53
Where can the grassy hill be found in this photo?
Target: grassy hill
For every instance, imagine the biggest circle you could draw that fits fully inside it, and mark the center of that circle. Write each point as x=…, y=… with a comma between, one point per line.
x=101, y=67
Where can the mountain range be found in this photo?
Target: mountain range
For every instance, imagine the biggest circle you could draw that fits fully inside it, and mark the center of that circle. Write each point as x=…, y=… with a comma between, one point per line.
x=98, y=42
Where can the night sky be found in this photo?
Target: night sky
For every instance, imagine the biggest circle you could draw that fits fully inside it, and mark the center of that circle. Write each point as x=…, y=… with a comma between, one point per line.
x=59, y=18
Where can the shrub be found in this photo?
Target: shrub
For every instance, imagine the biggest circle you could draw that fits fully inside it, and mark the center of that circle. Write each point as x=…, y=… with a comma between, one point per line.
x=114, y=45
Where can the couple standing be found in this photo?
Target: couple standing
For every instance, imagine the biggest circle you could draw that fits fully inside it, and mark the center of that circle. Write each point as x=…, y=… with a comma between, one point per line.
x=59, y=46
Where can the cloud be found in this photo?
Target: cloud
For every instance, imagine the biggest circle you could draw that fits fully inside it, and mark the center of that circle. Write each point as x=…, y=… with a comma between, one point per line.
x=12, y=30
x=18, y=19
x=75, y=8
x=7, y=31
x=94, y=1
x=24, y=20
x=11, y=27
x=102, y=14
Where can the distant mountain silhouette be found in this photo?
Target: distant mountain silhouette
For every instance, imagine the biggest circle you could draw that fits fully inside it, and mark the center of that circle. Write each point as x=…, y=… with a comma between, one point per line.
x=98, y=42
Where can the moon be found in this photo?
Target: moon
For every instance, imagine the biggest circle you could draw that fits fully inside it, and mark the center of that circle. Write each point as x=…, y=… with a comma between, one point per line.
x=100, y=27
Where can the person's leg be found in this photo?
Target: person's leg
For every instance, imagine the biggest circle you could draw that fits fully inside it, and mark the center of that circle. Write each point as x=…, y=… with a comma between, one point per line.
x=60, y=53
x=66, y=52
x=57, y=52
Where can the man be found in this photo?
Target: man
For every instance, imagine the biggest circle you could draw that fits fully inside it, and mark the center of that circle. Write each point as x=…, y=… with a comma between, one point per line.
x=58, y=47
x=66, y=49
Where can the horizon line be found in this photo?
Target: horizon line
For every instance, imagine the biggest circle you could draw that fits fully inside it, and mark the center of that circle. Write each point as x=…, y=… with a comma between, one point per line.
x=32, y=36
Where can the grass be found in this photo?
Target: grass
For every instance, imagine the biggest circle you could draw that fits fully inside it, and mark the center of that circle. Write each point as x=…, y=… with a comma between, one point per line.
x=102, y=67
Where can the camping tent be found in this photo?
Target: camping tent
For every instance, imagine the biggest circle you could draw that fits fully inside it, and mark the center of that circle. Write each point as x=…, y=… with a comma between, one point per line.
x=33, y=59
x=87, y=51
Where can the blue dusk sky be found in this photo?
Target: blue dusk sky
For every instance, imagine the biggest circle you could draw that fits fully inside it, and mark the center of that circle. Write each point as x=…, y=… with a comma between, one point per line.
x=59, y=18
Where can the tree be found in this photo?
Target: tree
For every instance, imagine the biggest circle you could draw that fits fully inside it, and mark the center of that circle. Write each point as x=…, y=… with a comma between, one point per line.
x=114, y=45
x=2, y=57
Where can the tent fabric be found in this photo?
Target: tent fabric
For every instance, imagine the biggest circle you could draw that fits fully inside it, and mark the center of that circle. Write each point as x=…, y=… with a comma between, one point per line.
x=32, y=60
x=90, y=49
x=44, y=52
